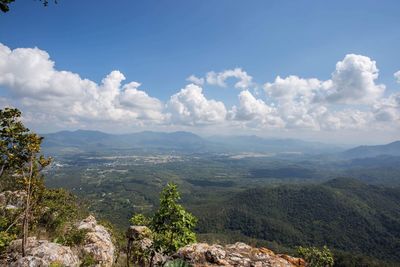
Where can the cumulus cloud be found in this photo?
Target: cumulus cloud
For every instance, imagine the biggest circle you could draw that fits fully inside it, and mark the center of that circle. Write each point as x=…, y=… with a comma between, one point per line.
x=388, y=109
x=353, y=81
x=255, y=111
x=312, y=103
x=190, y=107
x=219, y=79
x=293, y=87
x=350, y=99
x=30, y=76
x=294, y=99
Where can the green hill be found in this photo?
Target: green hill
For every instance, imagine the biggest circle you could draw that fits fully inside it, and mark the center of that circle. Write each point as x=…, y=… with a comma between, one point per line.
x=344, y=214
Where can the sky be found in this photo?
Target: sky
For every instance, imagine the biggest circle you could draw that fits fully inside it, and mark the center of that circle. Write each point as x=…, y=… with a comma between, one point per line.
x=314, y=70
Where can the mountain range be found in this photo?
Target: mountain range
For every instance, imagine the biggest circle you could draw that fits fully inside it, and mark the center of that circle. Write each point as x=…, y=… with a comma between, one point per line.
x=187, y=142
x=391, y=149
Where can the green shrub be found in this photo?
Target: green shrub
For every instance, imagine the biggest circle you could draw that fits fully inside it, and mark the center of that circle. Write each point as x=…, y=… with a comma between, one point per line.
x=57, y=208
x=140, y=219
x=5, y=239
x=56, y=264
x=172, y=226
x=74, y=237
x=177, y=263
x=316, y=257
x=88, y=260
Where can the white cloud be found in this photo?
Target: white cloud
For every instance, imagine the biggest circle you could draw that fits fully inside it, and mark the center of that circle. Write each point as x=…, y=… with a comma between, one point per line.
x=388, y=109
x=30, y=76
x=293, y=87
x=219, y=79
x=351, y=99
x=195, y=80
x=294, y=101
x=353, y=81
x=190, y=107
x=255, y=111
x=312, y=103
x=397, y=76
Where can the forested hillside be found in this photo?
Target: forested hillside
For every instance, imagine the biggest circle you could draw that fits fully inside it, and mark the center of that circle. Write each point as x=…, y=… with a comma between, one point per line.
x=344, y=214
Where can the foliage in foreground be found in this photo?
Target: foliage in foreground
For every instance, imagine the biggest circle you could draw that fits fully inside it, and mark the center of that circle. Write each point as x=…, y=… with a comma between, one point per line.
x=316, y=257
x=171, y=226
x=21, y=165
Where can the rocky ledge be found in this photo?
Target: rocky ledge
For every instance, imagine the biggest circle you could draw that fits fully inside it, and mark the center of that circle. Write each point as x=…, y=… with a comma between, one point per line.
x=97, y=244
x=203, y=254
x=40, y=253
x=238, y=254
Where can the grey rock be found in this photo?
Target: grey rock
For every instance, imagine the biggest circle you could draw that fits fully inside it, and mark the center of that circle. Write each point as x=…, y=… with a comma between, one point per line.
x=41, y=253
x=98, y=242
x=238, y=254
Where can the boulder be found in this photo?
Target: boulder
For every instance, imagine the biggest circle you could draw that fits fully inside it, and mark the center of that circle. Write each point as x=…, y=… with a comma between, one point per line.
x=238, y=254
x=98, y=242
x=40, y=253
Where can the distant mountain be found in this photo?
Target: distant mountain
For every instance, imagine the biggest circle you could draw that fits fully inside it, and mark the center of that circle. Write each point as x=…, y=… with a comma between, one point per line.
x=344, y=214
x=92, y=141
x=392, y=149
x=253, y=143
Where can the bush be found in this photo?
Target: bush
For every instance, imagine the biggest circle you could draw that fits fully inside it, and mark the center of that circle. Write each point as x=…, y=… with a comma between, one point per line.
x=5, y=239
x=88, y=260
x=57, y=208
x=74, y=237
x=140, y=219
x=172, y=226
x=316, y=257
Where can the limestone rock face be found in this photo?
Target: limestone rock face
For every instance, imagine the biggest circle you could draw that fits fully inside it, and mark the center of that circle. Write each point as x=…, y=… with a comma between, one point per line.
x=98, y=242
x=40, y=253
x=238, y=254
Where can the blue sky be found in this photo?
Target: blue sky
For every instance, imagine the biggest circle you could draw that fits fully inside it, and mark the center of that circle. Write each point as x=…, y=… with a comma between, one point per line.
x=160, y=43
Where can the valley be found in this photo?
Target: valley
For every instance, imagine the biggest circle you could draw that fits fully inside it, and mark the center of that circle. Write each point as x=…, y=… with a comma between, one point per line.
x=278, y=199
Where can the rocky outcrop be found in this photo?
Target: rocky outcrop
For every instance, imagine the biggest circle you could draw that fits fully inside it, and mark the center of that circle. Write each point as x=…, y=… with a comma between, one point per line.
x=238, y=254
x=203, y=254
x=39, y=253
x=98, y=243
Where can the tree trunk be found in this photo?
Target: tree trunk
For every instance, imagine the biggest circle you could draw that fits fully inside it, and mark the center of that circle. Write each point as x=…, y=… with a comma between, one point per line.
x=2, y=169
x=25, y=227
x=25, y=223
x=128, y=252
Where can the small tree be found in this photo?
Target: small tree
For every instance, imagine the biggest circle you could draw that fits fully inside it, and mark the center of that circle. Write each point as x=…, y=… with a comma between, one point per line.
x=21, y=160
x=172, y=226
x=316, y=257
